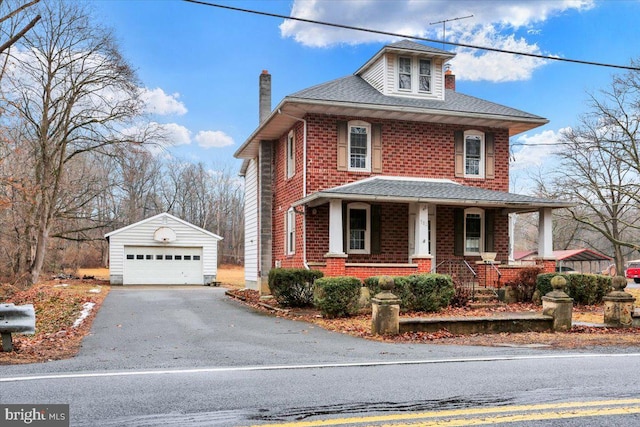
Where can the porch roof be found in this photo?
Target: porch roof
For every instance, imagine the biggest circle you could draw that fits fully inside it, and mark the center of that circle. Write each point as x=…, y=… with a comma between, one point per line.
x=436, y=191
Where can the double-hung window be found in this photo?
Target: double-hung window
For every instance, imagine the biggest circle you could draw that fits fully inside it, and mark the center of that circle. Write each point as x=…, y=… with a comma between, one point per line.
x=424, y=75
x=473, y=231
x=290, y=234
x=359, y=233
x=359, y=146
x=404, y=73
x=291, y=154
x=474, y=154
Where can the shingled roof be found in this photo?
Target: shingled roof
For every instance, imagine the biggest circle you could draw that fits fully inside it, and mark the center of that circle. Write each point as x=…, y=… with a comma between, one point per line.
x=355, y=90
x=401, y=189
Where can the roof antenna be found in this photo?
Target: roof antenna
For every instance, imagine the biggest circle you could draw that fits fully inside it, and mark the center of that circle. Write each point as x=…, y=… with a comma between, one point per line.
x=444, y=28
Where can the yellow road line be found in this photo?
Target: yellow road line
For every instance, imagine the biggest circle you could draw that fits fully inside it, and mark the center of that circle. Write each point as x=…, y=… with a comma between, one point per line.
x=552, y=407
x=579, y=413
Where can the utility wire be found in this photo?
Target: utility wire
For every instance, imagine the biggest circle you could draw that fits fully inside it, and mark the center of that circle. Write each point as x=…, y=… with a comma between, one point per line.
x=387, y=33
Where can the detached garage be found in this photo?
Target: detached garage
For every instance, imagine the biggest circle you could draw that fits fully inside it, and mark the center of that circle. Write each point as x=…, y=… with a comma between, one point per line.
x=162, y=250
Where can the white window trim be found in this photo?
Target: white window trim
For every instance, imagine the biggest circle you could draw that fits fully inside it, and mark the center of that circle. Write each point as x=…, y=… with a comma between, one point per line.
x=290, y=232
x=430, y=75
x=481, y=171
x=291, y=154
x=480, y=212
x=411, y=74
x=359, y=123
x=367, y=234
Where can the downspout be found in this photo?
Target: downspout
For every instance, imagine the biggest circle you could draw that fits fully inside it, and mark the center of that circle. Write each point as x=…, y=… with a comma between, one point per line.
x=304, y=186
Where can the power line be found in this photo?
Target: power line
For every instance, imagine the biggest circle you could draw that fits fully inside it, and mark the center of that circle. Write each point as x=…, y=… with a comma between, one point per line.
x=387, y=33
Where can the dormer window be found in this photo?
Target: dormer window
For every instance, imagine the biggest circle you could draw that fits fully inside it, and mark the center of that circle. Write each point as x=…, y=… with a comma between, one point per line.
x=404, y=73
x=425, y=75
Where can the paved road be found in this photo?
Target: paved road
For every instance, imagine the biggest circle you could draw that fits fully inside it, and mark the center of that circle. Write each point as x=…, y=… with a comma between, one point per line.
x=191, y=356
x=186, y=327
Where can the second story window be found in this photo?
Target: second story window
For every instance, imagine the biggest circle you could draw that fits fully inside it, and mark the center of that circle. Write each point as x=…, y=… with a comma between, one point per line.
x=474, y=154
x=359, y=146
x=425, y=76
x=404, y=73
x=291, y=154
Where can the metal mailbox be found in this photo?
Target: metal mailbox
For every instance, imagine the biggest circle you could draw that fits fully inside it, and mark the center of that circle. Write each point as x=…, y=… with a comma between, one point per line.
x=16, y=319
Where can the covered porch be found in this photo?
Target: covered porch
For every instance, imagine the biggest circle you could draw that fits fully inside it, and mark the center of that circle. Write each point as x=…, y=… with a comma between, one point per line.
x=402, y=226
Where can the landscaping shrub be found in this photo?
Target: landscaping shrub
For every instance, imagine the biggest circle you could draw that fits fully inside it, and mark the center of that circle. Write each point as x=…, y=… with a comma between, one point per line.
x=432, y=292
x=337, y=296
x=418, y=292
x=462, y=294
x=585, y=289
x=524, y=284
x=293, y=287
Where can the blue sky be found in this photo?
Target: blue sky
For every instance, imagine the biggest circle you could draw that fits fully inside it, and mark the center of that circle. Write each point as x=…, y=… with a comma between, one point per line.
x=199, y=65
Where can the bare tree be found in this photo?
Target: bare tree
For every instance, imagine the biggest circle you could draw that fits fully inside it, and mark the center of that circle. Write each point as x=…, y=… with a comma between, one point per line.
x=600, y=167
x=70, y=93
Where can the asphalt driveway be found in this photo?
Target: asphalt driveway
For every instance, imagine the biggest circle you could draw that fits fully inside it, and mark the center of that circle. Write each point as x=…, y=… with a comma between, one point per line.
x=142, y=328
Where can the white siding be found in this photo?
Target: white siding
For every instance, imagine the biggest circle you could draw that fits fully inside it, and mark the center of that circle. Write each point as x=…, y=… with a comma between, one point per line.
x=141, y=234
x=251, y=243
x=437, y=82
x=375, y=75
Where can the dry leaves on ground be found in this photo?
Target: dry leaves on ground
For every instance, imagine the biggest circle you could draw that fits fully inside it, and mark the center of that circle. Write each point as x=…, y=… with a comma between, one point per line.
x=59, y=304
x=360, y=326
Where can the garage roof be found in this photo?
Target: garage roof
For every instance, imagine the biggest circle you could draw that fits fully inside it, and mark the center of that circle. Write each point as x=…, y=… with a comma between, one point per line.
x=166, y=215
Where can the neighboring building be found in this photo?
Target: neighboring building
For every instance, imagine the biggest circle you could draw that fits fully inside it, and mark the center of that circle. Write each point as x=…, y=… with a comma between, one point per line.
x=162, y=250
x=387, y=171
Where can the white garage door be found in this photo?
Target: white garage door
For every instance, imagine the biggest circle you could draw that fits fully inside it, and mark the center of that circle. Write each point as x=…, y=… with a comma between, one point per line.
x=162, y=266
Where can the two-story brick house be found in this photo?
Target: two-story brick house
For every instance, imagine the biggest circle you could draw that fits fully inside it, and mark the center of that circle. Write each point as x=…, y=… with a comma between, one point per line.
x=386, y=171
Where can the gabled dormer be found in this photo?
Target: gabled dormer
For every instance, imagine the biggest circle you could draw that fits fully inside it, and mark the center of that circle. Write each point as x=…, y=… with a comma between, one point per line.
x=407, y=69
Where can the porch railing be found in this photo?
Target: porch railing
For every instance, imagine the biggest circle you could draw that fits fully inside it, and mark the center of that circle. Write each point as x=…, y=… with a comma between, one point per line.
x=462, y=274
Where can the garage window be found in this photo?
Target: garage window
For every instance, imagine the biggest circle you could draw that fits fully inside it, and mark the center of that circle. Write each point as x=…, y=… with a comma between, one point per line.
x=139, y=256
x=196, y=257
x=168, y=257
x=158, y=256
x=178, y=258
x=149, y=256
x=129, y=256
x=187, y=257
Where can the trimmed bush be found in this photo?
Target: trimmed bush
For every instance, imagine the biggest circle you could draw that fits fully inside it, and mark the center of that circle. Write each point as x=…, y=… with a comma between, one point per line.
x=418, y=292
x=293, y=287
x=337, y=296
x=587, y=289
x=432, y=292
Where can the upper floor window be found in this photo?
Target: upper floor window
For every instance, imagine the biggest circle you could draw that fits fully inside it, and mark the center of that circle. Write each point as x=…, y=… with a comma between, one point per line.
x=291, y=154
x=473, y=231
x=474, y=154
x=404, y=73
x=359, y=220
x=424, y=75
x=359, y=147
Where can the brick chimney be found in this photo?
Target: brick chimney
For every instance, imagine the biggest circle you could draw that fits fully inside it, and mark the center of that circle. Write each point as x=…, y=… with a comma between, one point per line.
x=265, y=95
x=449, y=80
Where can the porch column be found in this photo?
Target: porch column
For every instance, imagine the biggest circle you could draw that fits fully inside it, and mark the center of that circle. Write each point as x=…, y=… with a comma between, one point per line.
x=545, y=235
x=422, y=255
x=422, y=231
x=335, y=228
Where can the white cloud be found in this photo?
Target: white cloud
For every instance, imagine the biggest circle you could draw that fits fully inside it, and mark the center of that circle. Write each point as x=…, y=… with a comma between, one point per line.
x=158, y=102
x=534, y=150
x=175, y=134
x=492, y=25
x=213, y=139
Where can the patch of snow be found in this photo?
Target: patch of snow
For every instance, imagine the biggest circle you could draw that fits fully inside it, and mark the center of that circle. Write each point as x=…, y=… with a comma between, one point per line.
x=95, y=290
x=86, y=310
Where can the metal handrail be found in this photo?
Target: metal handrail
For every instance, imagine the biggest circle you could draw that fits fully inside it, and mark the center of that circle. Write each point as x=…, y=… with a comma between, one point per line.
x=470, y=268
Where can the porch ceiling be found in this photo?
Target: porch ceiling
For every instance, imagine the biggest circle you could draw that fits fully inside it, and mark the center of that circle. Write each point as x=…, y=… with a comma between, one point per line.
x=439, y=192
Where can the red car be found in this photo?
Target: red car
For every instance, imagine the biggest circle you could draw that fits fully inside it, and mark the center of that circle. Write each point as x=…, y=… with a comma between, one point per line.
x=633, y=271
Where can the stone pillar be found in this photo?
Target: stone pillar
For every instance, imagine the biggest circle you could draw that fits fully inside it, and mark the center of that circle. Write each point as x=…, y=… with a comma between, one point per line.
x=558, y=305
x=618, y=305
x=385, y=309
